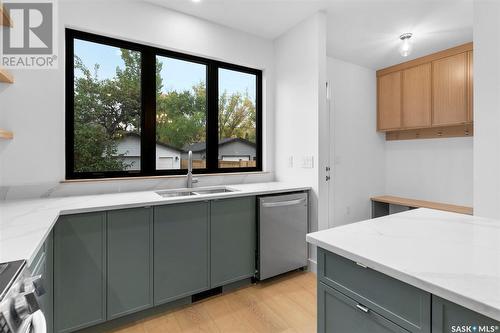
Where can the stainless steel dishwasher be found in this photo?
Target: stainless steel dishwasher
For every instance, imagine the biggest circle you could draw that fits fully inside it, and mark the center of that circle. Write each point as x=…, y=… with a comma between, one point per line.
x=282, y=234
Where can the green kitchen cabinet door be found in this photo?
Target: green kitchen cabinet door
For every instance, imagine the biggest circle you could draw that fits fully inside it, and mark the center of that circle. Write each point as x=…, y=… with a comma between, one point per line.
x=232, y=240
x=130, y=256
x=338, y=313
x=450, y=317
x=79, y=271
x=181, y=250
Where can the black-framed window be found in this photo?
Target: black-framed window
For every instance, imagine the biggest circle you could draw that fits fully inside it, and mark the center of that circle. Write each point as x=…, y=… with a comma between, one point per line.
x=136, y=110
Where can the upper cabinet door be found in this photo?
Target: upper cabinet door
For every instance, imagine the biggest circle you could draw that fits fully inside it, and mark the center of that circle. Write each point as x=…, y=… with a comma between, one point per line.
x=417, y=96
x=450, y=90
x=389, y=101
x=470, y=113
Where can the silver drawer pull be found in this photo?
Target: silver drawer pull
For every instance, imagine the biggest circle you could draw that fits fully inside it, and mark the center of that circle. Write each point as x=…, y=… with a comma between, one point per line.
x=362, y=308
x=361, y=265
x=284, y=203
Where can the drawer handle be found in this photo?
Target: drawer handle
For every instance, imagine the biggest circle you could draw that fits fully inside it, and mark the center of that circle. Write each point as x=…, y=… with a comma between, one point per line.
x=361, y=265
x=284, y=203
x=362, y=308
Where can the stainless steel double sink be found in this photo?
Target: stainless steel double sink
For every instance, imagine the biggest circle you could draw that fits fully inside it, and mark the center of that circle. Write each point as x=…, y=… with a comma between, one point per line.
x=185, y=192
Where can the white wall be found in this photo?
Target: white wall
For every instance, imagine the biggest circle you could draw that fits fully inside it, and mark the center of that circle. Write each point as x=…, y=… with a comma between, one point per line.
x=365, y=165
x=436, y=170
x=358, y=150
x=487, y=108
x=33, y=107
x=300, y=60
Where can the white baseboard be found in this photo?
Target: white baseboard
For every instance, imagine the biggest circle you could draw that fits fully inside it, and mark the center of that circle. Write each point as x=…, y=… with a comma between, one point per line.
x=312, y=266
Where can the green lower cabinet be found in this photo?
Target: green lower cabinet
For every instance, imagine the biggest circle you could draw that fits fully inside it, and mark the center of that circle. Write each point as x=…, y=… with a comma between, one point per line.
x=399, y=302
x=181, y=250
x=129, y=257
x=449, y=317
x=338, y=313
x=232, y=240
x=43, y=265
x=79, y=271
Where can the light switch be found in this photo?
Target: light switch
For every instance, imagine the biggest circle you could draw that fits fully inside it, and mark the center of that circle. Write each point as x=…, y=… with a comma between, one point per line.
x=290, y=161
x=308, y=162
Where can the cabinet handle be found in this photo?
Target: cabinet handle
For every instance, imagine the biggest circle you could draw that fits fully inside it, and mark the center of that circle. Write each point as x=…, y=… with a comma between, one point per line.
x=284, y=203
x=362, y=308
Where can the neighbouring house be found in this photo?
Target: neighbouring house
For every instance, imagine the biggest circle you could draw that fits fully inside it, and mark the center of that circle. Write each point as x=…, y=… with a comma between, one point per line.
x=230, y=149
x=167, y=157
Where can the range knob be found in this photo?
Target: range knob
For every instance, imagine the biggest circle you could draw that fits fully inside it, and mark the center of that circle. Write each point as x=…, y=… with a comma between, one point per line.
x=21, y=307
x=38, y=285
x=25, y=305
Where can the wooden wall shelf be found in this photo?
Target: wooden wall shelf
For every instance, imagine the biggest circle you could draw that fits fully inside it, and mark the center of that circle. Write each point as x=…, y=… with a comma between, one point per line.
x=4, y=17
x=6, y=135
x=412, y=203
x=432, y=133
x=5, y=76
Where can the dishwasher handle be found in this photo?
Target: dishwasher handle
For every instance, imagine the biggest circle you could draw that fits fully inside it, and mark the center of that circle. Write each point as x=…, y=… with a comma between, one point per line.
x=284, y=203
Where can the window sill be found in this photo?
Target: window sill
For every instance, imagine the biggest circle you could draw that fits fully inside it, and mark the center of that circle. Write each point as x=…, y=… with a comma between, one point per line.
x=89, y=180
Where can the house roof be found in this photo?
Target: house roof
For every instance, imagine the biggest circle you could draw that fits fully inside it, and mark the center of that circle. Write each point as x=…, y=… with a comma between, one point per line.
x=202, y=146
x=135, y=135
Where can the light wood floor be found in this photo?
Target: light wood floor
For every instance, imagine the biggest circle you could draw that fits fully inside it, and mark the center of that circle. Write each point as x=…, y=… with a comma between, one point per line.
x=285, y=304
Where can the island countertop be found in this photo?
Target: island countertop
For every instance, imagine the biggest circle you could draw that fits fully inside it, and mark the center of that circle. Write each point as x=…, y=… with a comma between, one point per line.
x=25, y=224
x=450, y=255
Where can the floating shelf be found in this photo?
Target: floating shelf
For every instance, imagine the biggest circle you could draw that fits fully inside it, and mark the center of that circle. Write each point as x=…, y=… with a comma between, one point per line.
x=5, y=76
x=4, y=17
x=6, y=135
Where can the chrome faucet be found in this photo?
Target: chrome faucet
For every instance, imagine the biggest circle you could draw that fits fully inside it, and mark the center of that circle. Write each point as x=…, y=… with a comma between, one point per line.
x=190, y=179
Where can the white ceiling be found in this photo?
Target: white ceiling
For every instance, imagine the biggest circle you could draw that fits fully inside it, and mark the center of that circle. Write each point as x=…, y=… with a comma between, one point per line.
x=364, y=32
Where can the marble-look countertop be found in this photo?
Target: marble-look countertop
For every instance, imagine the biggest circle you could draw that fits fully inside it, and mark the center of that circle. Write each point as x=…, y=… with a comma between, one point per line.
x=25, y=224
x=453, y=256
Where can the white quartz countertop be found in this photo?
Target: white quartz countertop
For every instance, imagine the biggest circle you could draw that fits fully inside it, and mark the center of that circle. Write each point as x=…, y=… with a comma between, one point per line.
x=25, y=224
x=453, y=256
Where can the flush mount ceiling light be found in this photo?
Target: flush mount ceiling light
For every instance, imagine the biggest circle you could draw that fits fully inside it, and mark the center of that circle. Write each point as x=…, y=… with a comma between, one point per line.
x=195, y=1
x=406, y=47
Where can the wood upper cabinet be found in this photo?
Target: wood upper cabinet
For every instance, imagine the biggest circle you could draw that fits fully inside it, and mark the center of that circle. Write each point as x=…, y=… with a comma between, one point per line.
x=428, y=97
x=389, y=101
x=449, y=84
x=417, y=96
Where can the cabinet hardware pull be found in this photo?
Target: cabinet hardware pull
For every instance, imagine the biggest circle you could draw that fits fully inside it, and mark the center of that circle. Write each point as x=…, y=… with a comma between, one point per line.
x=284, y=203
x=362, y=308
x=361, y=265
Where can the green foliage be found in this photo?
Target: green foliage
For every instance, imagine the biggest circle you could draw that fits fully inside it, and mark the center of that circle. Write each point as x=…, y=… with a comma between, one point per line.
x=181, y=117
x=107, y=109
x=237, y=117
x=104, y=111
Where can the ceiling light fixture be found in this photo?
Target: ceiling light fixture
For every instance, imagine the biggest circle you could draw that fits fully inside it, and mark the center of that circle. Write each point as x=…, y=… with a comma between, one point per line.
x=406, y=46
x=196, y=1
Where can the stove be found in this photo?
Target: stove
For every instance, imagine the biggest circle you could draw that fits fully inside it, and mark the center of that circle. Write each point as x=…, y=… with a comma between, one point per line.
x=8, y=273
x=19, y=292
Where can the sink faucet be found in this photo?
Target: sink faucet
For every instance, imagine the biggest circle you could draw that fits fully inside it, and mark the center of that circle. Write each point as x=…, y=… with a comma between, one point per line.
x=190, y=179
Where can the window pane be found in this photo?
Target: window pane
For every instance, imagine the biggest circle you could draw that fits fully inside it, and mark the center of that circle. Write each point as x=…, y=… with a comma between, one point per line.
x=181, y=113
x=237, y=119
x=107, y=108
